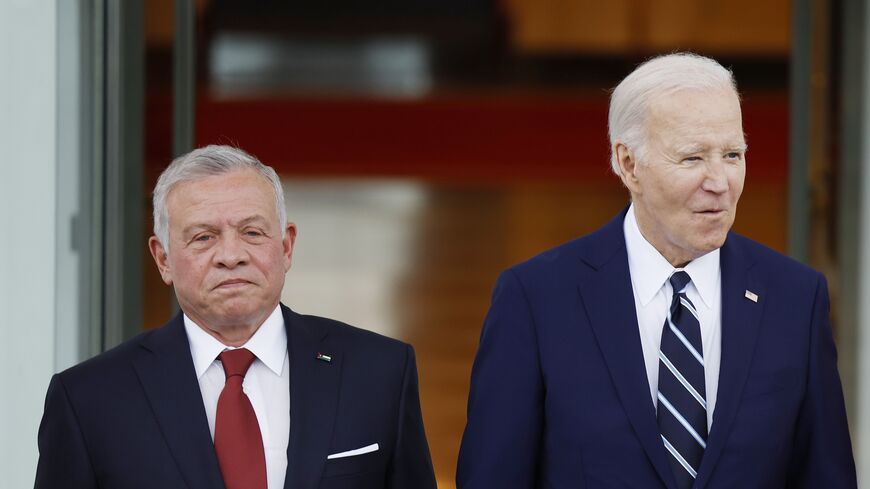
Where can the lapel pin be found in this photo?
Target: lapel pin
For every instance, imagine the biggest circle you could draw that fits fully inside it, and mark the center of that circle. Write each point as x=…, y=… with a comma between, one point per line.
x=323, y=358
x=751, y=296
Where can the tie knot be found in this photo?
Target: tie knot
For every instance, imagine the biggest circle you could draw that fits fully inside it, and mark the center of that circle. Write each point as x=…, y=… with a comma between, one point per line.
x=679, y=280
x=236, y=362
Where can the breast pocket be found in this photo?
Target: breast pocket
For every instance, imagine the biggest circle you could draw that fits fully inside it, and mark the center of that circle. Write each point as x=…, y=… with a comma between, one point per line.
x=354, y=464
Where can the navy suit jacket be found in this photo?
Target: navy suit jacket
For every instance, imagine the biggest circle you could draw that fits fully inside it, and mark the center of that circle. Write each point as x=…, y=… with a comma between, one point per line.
x=133, y=417
x=560, y=397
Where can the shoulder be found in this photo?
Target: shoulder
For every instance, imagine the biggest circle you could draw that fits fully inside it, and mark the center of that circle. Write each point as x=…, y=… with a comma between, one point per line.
x=353, y=334
x=572, y=259
x=780, y=273
x=361, y=344
x=111, y=366
x=367, y=358
x=769, y=261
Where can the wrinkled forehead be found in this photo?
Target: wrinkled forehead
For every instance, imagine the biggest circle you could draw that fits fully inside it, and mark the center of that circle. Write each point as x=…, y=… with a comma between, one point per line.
x=226, y=181
x=693, y=98
x=235, y=189
x=696, y=113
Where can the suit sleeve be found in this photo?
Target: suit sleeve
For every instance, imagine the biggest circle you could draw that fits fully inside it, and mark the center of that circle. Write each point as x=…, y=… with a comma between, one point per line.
x=63, y=458
x=502, y=436
x=411, y=466
x=823, y=450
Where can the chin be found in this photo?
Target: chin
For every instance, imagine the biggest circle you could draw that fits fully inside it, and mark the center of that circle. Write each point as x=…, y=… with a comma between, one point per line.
x=236, y=313
x=711, y=245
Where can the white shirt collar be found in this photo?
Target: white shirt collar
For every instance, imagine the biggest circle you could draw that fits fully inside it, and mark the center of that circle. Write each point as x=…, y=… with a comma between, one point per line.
x=650, y=270
x=268, y=344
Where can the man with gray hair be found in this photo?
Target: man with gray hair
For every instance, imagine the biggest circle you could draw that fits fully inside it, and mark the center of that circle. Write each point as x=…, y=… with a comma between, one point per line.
x=237, y=391
x=663, y=350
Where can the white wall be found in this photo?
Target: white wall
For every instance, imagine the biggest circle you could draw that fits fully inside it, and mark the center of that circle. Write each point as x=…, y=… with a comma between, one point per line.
x=28, y=86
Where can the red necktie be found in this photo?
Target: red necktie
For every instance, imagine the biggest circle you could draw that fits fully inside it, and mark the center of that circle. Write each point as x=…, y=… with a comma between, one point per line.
x=237, y=438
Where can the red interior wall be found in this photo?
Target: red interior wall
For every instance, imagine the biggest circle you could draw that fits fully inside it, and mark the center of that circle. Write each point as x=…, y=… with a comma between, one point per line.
x=500, y=137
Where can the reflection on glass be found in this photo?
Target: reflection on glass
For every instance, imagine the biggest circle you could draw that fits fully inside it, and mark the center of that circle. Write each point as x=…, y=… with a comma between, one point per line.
x=354, y=245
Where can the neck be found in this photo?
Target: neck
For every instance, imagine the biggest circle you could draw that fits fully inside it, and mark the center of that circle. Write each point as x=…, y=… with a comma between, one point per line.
x=231, y=333
x=232, y=336
x=678, y=258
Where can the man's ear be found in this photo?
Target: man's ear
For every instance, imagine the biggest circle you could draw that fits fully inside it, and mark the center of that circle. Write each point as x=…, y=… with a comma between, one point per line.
x=288, y=243
x=627, y=161
x=161, y=258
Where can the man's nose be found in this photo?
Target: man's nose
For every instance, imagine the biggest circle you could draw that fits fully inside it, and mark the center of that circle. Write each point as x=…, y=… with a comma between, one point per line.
x=230, y=251
x=715, y=179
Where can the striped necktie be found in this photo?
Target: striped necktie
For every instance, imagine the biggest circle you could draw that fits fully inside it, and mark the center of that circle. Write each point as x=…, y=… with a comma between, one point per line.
x=682, y=395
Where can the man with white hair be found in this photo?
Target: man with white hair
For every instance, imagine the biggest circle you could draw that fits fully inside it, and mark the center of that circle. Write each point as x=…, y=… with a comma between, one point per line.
x=237, y=391
x=663, y=350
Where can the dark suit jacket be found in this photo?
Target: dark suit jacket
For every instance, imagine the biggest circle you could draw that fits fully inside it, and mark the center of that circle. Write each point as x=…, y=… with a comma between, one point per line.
x=560, y=397
x=133, y=416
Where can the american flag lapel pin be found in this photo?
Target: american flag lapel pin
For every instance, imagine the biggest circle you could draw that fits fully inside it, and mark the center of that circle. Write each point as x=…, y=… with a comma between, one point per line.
x=751, y=296
x=323, y=357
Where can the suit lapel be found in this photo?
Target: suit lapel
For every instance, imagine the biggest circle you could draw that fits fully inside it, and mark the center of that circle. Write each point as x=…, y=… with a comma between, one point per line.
x=165, y=369
x=609, y=301
x=314, y=388
x=741, y=320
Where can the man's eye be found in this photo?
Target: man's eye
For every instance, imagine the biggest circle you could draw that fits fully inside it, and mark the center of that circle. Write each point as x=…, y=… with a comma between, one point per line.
x=204, y=237
x=733, y=155
x=692, y=158
x=253, y=233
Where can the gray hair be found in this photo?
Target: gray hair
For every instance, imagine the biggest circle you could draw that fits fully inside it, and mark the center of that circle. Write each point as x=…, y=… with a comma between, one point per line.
x=202, y=163
x=659, y=76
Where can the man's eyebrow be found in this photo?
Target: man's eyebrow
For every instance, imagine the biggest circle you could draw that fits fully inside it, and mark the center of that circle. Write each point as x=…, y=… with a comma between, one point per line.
x=254, y=218
x=700, y=148
x=208, y=227
x=196, y=227
x=690, y=148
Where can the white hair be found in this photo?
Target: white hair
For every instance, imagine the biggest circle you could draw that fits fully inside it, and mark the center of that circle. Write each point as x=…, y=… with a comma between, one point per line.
x=203, y=163
x=657, y=77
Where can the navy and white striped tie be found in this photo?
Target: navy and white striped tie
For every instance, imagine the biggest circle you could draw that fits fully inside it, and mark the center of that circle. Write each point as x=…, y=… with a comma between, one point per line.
x=682, y=394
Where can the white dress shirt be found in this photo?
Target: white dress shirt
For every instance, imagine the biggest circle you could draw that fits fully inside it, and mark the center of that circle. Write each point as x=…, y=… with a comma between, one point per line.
x=267, y=385
x=650, y=272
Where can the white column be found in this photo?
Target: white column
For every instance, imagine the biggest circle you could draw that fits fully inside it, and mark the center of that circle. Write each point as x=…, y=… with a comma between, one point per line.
x=860, y=418
x=859, y=334
x=28, y=135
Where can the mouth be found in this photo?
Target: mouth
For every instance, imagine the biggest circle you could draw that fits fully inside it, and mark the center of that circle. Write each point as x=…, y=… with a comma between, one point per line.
x=711, y=212
x=232, y=283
